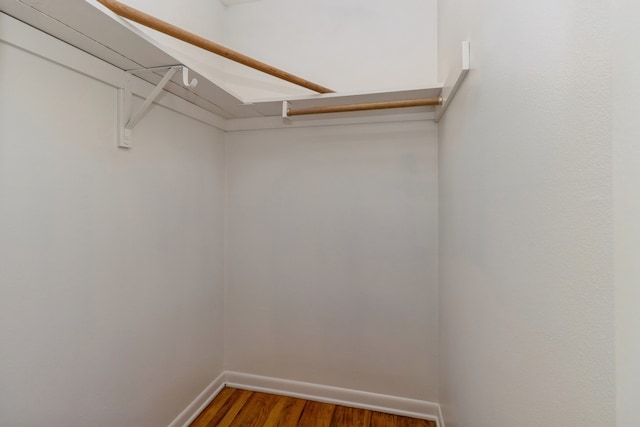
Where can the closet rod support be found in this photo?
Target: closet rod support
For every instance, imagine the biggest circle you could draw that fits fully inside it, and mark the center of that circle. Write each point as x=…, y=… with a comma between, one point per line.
x=128, y=121
x=455, y=79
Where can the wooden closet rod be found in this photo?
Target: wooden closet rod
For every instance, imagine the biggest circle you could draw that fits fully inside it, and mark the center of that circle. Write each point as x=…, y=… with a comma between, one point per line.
x=364, y=107
x=194, y=39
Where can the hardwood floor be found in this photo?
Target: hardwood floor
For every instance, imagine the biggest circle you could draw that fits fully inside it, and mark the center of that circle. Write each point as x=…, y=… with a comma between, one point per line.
x=242, y=408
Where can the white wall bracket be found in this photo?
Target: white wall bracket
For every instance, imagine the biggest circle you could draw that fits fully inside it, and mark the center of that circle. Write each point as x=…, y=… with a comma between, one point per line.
x=126, y=120
x=454, y=81
x=286, y=106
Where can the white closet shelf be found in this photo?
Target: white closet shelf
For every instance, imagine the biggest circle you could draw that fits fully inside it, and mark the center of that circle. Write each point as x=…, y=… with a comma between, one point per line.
x=96, y=30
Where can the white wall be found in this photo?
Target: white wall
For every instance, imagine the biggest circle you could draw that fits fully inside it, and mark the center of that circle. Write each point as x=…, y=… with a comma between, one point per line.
x=626, y=203
x=332, y=256
x=111, y=264
x=346, y=45
x=526, y=297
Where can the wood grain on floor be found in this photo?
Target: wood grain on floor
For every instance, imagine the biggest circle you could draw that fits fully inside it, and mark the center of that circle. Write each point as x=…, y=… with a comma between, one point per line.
x=242, y=408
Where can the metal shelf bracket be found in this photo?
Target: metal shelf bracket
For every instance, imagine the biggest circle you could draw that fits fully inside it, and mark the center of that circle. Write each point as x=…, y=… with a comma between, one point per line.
x=126, y=120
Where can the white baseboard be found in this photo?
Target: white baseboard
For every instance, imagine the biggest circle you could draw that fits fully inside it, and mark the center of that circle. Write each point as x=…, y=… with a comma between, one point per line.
x=440, y=417
x=335, y=395
x=199, y=403
x=317, y=392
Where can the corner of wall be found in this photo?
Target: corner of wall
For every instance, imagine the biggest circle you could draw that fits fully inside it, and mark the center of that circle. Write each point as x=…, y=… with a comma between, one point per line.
x=186, y=417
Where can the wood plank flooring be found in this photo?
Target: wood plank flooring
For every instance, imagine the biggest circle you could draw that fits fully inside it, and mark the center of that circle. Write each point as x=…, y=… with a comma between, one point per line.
x=241, y=408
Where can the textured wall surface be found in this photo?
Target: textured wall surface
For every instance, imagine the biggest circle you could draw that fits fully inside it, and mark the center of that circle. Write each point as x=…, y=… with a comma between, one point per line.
x=332, y=256
x=626, y=134
x=110, y=260
x=525, y=217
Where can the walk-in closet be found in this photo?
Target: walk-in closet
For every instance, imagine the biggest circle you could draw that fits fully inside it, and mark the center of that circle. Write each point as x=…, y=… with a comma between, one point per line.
x=339, y=212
